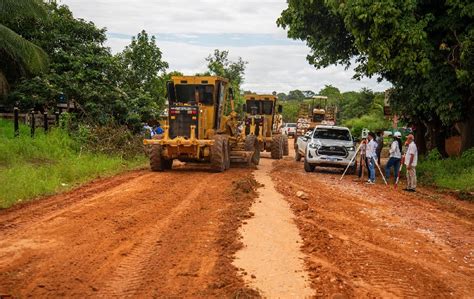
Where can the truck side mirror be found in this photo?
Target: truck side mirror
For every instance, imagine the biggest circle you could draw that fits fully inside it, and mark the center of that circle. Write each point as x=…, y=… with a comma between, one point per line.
x=171, y=92
x=280, y=108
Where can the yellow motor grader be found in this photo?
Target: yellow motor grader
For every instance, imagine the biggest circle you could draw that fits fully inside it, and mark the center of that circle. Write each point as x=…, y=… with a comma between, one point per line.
x=198, y=128
x=262, y=123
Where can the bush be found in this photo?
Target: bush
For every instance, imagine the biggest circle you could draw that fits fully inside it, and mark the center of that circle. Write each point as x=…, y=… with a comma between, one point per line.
x=373, y=122
x=452, y=173
x=59, y=160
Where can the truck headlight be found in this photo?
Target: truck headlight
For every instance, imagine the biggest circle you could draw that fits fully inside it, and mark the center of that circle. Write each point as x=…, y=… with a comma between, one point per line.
x=350, y=148
x=314, y=145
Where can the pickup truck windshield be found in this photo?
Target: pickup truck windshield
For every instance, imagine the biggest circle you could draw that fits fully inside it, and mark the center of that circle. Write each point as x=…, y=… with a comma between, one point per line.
x=333, y=134
x=189, y=93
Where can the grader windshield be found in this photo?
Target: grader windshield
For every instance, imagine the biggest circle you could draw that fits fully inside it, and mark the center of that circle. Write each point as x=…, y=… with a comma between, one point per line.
x=260, y=107
x=193, y=94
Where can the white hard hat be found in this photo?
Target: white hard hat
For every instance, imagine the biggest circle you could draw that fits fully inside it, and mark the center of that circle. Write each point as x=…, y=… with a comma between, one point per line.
x=397, y=134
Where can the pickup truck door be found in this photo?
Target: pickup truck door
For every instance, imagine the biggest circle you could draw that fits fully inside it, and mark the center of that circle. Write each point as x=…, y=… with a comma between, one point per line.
x=302, y=142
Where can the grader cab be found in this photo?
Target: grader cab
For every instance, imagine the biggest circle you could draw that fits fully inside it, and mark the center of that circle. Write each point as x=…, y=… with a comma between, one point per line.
x=198, y=129
x=263, y=121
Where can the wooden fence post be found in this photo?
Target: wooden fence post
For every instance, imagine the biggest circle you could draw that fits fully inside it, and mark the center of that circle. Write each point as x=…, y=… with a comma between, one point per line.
x=32, y=120
x=15, y=122
x=45, y=121
x=57, y=118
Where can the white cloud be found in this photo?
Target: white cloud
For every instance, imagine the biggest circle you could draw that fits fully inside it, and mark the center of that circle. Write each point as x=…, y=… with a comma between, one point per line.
x=280, y=67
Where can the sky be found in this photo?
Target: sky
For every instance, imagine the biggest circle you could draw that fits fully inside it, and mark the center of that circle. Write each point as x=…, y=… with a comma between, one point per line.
x=187, y=31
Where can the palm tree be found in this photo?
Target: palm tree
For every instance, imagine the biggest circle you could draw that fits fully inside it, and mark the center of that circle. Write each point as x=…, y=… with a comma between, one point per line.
x=17, y=55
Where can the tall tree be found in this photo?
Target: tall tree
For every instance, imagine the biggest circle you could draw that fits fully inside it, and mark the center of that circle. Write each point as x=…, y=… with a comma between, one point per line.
x=219, y=64
x=143, y=78
x=424, y=48
x=18, y=56
x=296, y=95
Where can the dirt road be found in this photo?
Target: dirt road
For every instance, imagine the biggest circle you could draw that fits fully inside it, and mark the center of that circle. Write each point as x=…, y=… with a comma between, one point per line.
x=140, y=234
x=372, y=241
x=176, y=234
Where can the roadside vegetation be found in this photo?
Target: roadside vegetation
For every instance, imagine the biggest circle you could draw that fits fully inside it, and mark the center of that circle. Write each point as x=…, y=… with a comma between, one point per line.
x=57, y=161
x=456, y=173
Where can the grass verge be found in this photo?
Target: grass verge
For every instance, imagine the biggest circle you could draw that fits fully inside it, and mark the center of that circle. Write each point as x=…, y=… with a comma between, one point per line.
x=456, y=173
x=50, y=163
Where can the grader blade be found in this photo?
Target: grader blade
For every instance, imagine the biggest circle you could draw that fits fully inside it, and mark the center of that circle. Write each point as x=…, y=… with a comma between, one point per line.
x=240, y=156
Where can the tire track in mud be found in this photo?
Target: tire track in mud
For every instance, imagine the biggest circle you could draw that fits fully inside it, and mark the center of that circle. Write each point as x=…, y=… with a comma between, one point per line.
x=366, y=244
x=146, y=234
x=34, y=211
x=132, y=271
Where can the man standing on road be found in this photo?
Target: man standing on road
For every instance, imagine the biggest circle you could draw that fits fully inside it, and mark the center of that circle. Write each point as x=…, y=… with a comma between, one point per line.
x=379, y=148
x=371, y=155
x=395, y=156
x=411, y=159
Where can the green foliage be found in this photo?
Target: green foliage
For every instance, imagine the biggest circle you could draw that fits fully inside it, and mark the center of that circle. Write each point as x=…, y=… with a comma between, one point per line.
x=49, y=163
x=452, y=173
x=219, y=64
x=424, y=50
x=18, y=56
x=295, y=95
x=127, y=88
x=373, y=122
x=290, y=111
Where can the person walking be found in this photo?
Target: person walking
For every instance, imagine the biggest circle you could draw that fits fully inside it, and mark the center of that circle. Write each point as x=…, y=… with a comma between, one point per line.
x=395, y=156
x=411, y=160
x=379, y=148
x=371, y=155
x=159, y=130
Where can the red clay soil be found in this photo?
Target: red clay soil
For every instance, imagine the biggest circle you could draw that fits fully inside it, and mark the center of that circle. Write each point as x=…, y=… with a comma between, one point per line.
x=140, y=234
x=373, y=241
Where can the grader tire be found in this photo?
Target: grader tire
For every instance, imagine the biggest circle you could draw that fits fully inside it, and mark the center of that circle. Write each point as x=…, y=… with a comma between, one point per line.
x=226, y=153
x=252, y=145
x=286, y=151
x=277, y=147
x=156, y=160
x=218, y=154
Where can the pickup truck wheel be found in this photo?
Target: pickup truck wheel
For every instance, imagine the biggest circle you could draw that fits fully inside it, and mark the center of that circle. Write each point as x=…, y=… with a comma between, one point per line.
x=352, y=169
x=308, y=167
x=297, y=154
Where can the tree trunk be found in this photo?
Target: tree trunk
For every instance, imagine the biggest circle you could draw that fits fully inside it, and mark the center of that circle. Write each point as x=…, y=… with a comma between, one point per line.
x=440, y=140
x=420, y=138
x=466, y=129
x=4, y=86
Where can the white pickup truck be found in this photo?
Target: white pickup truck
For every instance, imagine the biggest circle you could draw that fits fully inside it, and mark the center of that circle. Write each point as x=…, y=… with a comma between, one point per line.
x=326, y=146
x=289, y=129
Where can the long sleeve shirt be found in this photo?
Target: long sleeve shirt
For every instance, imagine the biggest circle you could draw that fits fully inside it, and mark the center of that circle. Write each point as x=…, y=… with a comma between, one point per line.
x=370, y=150
x=395, y=150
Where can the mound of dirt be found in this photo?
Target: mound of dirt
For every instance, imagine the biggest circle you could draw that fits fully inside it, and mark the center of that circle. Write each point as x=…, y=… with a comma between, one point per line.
x=242, y=197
